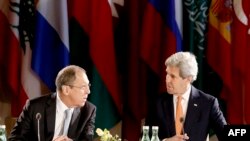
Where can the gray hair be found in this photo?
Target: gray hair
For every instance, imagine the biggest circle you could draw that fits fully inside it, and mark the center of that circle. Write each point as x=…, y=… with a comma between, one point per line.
x=67, y=75
x=186, y=62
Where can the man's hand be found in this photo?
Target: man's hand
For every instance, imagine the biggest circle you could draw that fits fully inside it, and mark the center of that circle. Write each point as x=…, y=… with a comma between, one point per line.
x=177, y=138
x=62, y=138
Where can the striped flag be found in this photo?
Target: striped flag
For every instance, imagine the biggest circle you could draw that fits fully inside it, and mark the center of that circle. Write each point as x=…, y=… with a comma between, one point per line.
x=92, y=47
x=51, y=44
x=161, y=34
x=48, y=52
x=21, y=83
x=10, y=58
x=152, y=38
x=134, y=99
x=238, y=104
x=219, y=42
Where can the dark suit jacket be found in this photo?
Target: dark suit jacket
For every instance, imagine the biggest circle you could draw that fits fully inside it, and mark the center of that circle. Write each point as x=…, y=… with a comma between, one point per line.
x=26, y=128
x=203, y=114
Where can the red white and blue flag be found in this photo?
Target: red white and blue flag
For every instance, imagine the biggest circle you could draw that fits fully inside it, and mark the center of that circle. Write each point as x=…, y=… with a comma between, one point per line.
x=161, y=34
x=51, y=49
x=31, y=60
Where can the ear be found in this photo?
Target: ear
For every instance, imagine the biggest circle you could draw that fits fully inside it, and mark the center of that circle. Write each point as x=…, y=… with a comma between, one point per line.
x=65, y=90
x=189, y=79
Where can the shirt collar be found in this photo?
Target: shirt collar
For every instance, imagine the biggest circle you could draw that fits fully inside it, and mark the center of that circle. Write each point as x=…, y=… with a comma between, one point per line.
x=186, y=94
x=60, y=106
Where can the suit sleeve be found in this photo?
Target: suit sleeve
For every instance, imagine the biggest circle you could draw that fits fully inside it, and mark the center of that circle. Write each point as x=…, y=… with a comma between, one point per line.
x=22, y=129
x=88, y=131
x=218, y=120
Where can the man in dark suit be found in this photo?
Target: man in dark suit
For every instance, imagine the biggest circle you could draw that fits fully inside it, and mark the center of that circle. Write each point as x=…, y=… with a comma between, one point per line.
x=196, y=112
x=43, y=118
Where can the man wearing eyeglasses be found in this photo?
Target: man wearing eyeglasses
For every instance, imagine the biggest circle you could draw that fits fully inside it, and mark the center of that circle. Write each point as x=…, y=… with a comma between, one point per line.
x=65, y=115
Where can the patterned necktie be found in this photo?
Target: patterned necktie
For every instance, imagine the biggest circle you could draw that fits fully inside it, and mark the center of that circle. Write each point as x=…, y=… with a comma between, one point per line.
x=179, y=116
x=66, y=121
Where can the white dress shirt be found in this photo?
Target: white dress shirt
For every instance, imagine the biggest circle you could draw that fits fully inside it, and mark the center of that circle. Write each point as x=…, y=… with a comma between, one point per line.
x=60, y=116
x=184, y=102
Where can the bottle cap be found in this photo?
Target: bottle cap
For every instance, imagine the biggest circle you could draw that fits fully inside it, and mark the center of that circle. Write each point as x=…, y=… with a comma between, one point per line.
x=155, y=127
x=145, y=127
x=2, y=126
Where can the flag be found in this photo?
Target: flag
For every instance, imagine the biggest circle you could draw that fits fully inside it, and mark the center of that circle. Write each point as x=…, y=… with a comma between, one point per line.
x=238, y=107
x=93, y=43
x=21, y=81
x=195, y=17
x=134, y=84
x=51, y=44
x=219, y=50
x=161, y=35
x=10, y=58
x=151, y=39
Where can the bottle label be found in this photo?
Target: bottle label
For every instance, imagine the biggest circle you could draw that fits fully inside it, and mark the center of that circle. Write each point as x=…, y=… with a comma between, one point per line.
x=2, y=133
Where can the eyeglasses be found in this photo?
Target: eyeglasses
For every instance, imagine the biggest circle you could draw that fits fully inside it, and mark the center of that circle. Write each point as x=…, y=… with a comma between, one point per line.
x=80, y=87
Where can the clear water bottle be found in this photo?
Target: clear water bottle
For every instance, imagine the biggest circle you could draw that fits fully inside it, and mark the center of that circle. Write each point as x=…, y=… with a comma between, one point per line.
x=2, y=133
x=145, y=136
x=155, y=130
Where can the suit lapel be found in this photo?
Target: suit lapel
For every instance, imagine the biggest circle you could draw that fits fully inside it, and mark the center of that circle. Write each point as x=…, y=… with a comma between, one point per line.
x=193, y=111
x=168, y=107
x=74, y=122
x=50, y=115
x=80, y=115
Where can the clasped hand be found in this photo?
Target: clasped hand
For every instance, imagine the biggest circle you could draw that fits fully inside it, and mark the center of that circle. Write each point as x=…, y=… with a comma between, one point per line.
x=62, y=138
x=177, y=138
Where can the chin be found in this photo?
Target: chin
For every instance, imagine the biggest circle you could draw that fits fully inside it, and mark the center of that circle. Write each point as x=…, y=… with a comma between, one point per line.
x=170, y=92
x=82, y=104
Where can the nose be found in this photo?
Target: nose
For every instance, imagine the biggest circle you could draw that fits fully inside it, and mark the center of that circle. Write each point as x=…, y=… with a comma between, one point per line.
x=88, y=90
x=167, y=78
